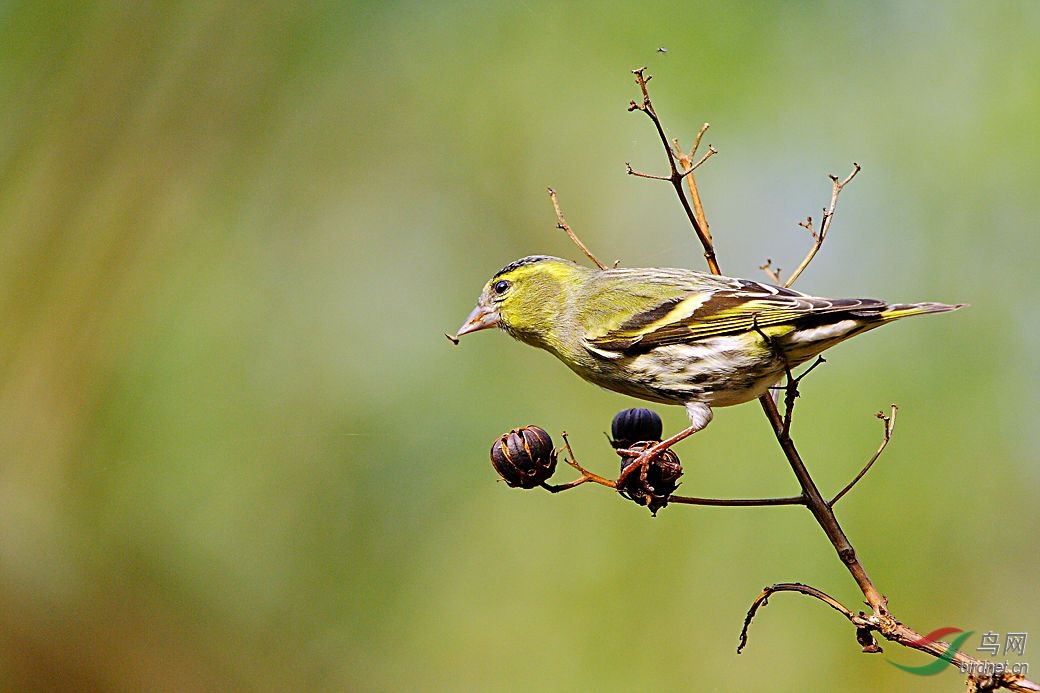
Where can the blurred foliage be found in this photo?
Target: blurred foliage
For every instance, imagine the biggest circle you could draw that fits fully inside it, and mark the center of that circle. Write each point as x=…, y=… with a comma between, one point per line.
x=236, y=451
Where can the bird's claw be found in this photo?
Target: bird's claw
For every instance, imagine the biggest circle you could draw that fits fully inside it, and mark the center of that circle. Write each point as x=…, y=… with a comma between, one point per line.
x=641, y=461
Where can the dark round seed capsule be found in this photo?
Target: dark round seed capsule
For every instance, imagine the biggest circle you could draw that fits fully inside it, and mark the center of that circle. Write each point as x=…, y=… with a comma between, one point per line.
x=662, y=478
x=524, y=457
x=634, y=425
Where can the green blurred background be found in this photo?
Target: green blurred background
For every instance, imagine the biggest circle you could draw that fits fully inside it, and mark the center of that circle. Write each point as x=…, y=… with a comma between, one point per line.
x=236, y=451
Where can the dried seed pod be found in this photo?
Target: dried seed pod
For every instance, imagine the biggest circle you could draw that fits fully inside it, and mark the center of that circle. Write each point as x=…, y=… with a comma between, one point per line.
x=633, y=425
x=662, y=478
x=524, y=457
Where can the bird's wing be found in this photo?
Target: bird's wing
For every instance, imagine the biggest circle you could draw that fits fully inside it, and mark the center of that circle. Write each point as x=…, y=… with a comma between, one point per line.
x=713, y=313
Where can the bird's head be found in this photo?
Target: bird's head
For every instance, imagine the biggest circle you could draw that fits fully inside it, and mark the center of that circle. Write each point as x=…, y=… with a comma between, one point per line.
x=526, y=298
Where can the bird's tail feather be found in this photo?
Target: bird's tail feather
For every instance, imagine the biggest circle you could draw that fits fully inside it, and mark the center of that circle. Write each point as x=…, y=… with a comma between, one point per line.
x=903, y=310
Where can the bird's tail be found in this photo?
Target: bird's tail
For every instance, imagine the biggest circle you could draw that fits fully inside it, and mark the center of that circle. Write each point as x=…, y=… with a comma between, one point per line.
x=903, y=310
x=805, y=344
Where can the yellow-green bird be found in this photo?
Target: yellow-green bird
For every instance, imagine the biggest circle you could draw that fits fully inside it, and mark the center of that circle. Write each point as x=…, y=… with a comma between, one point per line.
x=674, y=336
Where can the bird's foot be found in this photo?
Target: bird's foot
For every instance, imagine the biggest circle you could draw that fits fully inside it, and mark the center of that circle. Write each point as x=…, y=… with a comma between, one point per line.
x=638, y=460
x=649, y=474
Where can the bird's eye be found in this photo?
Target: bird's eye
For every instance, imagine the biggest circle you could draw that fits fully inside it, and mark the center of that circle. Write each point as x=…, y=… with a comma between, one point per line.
x=500, y=287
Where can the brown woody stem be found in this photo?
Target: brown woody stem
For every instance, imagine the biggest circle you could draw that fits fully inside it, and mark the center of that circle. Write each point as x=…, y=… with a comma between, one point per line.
x=700, y=227
x=562, y=224
x=890, y=424
x=828, y=214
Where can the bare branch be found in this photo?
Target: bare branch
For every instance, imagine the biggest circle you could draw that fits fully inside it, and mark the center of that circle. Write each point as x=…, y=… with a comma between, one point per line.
x=893, y=631
x=687, y=169
x=821, y=511
x=812, y=366
x=790, y=397
x=691, y=182
x=771, y=272
x=697, y=220
x=563, y=226
x=677, y=150
x=707, y=155
x=737, y=502
x=639, y=174
x=697, y=140
x=828, y=214
x=889, y=423
x=586, y=475
x=763, y=599
x=808, y=226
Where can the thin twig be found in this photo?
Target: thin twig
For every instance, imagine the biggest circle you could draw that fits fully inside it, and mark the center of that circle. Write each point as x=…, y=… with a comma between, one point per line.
x=639, y=174
x=688, y=167
x=586, y=475
x=562, y=224
x=737, y=502
x=771, y=272
x=821, y=511
x=695, y=193
x=825, y=224
x=812, y=366
x=791, y=392
x=893, y=631
x=889, y=423
x=791, y=388
x=691, y=182
x=763, y=599
x=696, y=219
x=707, y=155
x=697, y=140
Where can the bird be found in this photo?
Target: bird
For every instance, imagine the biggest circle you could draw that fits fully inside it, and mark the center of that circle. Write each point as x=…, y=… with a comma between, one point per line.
x=669, y=335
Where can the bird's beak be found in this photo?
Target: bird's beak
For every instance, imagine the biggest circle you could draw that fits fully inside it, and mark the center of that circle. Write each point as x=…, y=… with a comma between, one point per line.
x=481, y=318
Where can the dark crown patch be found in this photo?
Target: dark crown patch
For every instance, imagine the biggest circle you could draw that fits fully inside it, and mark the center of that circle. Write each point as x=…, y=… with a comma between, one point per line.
x=529, y=260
